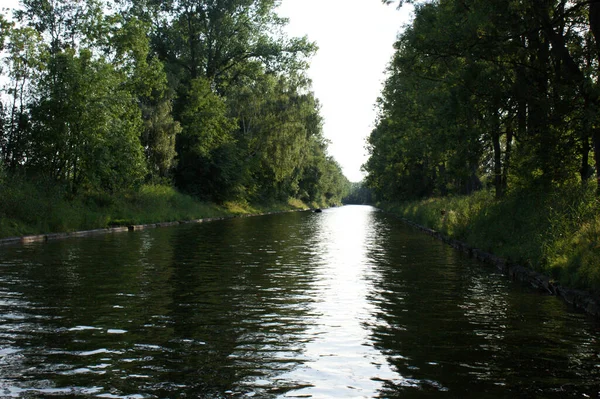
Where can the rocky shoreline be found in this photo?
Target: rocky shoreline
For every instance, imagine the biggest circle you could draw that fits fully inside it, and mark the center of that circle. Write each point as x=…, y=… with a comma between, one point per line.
x=584, y=300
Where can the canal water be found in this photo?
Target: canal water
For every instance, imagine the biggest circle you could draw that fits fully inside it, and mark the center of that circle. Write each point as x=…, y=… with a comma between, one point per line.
x=348, y=303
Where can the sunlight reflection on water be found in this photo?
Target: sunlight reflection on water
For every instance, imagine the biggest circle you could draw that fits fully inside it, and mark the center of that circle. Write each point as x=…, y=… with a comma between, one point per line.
x=342, y=359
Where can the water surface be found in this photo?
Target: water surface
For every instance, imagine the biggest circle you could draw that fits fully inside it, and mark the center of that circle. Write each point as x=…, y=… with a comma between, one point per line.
x=348, y=303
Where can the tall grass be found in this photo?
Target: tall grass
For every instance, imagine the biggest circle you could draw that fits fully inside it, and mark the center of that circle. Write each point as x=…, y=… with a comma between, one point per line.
x=37, y=207
x=557, y=233
x=29, y=207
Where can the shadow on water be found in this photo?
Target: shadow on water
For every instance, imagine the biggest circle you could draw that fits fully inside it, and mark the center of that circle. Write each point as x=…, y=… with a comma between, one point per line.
x=343, y=303
x=455, y=326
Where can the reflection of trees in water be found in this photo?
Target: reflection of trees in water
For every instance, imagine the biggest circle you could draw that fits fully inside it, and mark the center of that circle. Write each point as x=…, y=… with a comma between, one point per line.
x=196, y=309
x=243, y=288
x=535, y=346
x=77, y=297
x=408, y=300
x=449, y=323
x=237, y=305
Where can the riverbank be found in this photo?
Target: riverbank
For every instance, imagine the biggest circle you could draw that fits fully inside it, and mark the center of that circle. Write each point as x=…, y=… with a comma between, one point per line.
x=136, y=227
x=31, y=212
x=552, y=238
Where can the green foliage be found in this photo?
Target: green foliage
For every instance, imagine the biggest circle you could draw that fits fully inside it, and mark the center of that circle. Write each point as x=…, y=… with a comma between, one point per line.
x=30, y=207
x=24, y=62
x=206, y=134
x=555, y=233
x=211, y=96
x=221, y=40
x=280, y=138
x=5, y=29
x=464, y=106
x=576, y=258
x=500, y=95
x=147, y=80
x=359, y=194
x=41, y=206
x=159, y=138
x=87, y=128
x=571, y=252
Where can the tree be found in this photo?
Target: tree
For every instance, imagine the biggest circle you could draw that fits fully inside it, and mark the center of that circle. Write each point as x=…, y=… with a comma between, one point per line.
x=24, y=63
x=211, y=95
x=86, y=126
x=159, y=137
x=129, y=46
x=359, y=194
x=207, y=129
x=225, y=45
x=490, y=92
x=84, y=120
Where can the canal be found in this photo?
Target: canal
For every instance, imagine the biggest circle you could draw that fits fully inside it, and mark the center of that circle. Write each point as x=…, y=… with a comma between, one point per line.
x=348, y=303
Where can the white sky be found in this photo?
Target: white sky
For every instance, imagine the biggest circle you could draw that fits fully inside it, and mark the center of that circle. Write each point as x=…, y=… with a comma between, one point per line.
x=355, y=40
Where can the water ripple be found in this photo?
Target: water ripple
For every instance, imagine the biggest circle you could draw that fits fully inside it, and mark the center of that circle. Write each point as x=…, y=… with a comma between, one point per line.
x=345, y=303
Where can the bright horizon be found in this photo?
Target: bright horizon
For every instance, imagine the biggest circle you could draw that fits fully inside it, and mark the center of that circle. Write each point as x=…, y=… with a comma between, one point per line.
x=355, y=40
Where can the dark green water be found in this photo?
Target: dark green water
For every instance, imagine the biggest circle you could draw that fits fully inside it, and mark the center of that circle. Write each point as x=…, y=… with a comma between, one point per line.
x=348, y=303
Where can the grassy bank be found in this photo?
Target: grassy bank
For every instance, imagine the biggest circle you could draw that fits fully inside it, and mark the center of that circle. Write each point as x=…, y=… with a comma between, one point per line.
x=37, y=208
x=555, y=233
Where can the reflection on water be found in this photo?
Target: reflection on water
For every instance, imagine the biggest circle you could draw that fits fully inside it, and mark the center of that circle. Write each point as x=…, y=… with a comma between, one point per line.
x=345, y=303
x=342, y=362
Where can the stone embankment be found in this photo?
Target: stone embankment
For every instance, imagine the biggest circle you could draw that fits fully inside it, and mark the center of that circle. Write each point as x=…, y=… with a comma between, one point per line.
x=584, y=300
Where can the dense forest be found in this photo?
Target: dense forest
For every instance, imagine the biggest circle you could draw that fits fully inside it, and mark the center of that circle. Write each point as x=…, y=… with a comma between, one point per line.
x=211, y=97
x=500, y=94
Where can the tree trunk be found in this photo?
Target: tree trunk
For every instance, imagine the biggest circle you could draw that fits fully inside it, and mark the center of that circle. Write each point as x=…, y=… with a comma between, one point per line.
x=497, y=164
x=594, y=20
x=442, y=174
x=596, y=143
x=584, y=172
x=507, y=156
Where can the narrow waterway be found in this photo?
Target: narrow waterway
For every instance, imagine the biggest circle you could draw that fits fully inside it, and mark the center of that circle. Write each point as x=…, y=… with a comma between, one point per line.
x=348, y=303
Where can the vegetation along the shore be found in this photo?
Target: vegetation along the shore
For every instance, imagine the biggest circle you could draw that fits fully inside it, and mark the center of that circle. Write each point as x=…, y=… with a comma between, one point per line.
x=30, y=208
x=150, y=105
x=489, y=130
x=556, y=233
